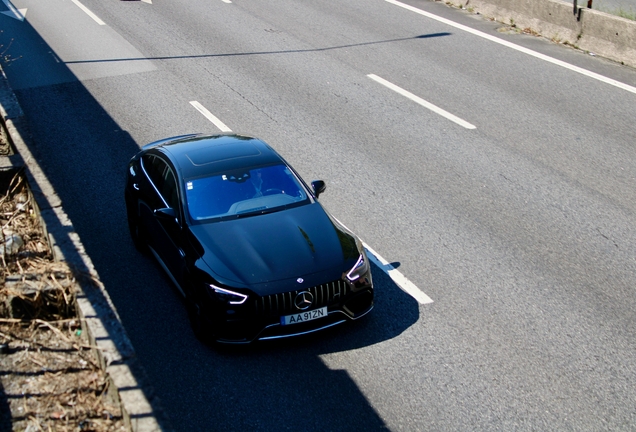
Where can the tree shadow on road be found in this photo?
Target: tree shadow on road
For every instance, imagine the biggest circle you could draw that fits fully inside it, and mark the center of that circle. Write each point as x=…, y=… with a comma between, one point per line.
x=83, y=153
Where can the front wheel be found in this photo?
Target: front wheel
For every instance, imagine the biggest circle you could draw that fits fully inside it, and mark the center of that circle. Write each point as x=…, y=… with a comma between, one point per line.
x=199, y=325
x=137, y=233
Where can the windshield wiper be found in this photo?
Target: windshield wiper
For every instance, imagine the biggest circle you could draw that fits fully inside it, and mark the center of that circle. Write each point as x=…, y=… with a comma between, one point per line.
x=259, y=211
x=255, y=209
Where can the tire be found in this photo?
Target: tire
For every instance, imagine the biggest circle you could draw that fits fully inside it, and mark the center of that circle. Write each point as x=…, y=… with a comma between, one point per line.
x=137, y=233
x=200, y=329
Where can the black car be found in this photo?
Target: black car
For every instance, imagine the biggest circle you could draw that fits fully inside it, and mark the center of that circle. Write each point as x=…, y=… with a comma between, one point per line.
x=244, y=239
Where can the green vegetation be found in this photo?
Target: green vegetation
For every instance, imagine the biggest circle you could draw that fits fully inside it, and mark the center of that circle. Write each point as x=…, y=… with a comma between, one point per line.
x=620, y=11
x=5, y=58
x=625, y=14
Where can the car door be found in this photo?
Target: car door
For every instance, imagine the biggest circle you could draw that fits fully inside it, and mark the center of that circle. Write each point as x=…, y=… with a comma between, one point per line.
x=164, y=233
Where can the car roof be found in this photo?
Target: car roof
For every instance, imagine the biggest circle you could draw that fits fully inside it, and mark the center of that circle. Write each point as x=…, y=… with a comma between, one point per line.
x=203, y=155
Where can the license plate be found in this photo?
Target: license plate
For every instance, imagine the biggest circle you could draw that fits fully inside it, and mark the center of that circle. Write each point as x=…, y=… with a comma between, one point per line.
x=304, y=316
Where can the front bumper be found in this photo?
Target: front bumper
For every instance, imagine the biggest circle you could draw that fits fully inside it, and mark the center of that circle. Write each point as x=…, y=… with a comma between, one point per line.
x=265, y=324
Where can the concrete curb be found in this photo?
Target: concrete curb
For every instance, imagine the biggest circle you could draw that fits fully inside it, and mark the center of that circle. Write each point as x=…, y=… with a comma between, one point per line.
x=100, y=320
x=590, y=30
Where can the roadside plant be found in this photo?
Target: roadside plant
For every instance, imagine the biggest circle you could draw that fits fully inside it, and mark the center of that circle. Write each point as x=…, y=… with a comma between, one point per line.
x=5, y=56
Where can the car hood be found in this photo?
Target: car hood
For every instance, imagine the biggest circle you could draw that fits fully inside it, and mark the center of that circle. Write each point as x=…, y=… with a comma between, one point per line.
x=285, y=245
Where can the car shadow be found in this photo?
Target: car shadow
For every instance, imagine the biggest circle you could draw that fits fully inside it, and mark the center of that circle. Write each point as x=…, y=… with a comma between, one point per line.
x=271, y=383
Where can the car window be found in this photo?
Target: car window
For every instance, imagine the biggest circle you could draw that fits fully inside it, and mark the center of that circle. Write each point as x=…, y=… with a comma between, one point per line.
x=242, y=192
x=163, y=178
x=169, y=189
x=155, y=168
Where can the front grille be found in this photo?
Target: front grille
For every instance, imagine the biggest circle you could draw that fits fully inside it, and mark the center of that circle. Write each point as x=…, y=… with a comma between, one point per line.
x=283, y=304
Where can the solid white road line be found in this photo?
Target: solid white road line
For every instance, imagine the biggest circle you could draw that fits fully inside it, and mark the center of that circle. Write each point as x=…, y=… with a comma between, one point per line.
x=519, y=48
x=400, y=280
x=88, y=12
x=226, y=1
x=218, y=123
x=422, y=102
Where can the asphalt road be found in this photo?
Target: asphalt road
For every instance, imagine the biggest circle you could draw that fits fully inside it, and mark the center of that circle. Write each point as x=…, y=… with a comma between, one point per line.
x=521, y=229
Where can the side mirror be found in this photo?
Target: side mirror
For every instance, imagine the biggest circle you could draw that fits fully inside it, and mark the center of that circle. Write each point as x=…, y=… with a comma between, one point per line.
x=167, y=214
x=318, y=186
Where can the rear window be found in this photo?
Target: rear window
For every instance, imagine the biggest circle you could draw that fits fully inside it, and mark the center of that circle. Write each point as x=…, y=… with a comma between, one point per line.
x=243, y=192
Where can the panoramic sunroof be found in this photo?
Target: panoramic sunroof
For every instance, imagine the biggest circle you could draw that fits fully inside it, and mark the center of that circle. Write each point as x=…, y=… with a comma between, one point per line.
x=221, y=152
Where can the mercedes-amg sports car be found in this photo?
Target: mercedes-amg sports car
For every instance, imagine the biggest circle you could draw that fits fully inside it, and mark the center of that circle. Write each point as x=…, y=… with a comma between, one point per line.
x=244, y=239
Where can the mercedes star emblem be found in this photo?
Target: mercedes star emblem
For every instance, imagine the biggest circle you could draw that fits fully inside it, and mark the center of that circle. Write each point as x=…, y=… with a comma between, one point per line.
x=300, y=280
x=303, y=300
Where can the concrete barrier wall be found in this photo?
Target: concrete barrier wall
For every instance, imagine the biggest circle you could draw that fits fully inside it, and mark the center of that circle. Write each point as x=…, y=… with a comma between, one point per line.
x=610, y=36
x=603, y=34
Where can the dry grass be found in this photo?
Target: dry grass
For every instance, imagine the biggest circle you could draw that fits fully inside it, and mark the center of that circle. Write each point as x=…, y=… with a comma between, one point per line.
x=50, y=380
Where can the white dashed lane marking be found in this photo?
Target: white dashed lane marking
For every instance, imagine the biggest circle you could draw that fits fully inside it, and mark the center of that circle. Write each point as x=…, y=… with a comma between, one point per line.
x=400, y=280
x=88, y=12
x=421, y=101
x=203, y=110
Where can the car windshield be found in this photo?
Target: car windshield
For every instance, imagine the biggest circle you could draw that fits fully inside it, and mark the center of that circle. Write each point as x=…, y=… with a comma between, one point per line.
x=243, y=192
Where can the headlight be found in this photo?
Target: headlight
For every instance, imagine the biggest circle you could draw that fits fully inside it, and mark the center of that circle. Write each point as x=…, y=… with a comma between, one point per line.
x=361, y=267
x=228, y=296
